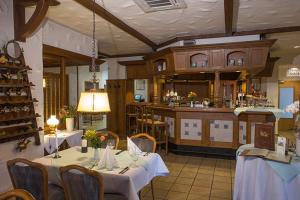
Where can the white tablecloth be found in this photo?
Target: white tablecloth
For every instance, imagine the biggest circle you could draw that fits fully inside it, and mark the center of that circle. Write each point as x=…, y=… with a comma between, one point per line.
x=256, y=180
x=73, y=139
x=128, y=183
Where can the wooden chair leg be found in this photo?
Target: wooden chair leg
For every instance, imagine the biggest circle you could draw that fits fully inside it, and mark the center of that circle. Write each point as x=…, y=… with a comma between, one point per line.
x=166, y=140
x=152, y=190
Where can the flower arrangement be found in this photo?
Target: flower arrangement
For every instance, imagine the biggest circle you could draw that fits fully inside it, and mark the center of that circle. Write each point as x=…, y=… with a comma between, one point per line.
x=68, y=112
x=94, y=140
x=294, y=108
x=192, y=96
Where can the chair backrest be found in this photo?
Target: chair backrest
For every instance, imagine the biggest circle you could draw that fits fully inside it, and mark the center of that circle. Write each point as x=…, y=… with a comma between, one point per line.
x=80, y=183
x=109, y=136
x=29, y=176
x=145, y=142
x=18, y=194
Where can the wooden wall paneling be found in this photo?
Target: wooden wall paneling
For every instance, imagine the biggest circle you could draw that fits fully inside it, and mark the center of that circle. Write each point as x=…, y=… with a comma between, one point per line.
x=216, y=57
x=235, y=139
x=62, y=80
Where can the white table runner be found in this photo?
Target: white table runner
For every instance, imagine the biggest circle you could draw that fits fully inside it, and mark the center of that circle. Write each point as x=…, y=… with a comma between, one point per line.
x=127, y=184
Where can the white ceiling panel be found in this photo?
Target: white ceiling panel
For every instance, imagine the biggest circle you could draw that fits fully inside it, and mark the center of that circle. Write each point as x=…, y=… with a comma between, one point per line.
x=200, y=17
x=265, y=14
x=112, y=40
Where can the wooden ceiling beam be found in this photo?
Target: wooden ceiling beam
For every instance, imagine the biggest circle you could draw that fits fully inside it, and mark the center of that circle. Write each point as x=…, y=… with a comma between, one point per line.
x=24, y=29
x=47, y=49
x=27, y=3
x=228, y=12
x=100, y=11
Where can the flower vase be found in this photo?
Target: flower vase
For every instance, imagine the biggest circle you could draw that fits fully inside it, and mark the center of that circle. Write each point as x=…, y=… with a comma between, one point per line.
x=70, y=124
x=97, y=154
x=192, y=104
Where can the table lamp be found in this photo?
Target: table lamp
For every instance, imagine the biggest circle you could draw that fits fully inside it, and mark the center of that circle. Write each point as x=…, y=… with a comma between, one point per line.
x=53, y=122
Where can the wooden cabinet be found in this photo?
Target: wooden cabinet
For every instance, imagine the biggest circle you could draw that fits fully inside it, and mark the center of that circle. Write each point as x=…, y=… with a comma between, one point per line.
x=217, y=58
x=181, y=61
x=258, y=56
x=237, y=57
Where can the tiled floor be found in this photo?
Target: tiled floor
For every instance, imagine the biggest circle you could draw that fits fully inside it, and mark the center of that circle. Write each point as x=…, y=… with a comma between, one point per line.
x=194, y=178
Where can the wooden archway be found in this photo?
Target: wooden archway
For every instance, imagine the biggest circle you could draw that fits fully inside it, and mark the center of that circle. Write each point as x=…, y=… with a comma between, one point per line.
x=24, y=29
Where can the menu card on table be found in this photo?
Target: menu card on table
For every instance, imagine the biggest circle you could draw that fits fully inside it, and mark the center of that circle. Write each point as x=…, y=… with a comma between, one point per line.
x=268, y=155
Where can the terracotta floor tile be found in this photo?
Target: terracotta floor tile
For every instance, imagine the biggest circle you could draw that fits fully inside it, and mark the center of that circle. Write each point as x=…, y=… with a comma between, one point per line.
x=157, y=193
x=180, y=188
x=201, y=191
x=221, y=185
x=222, y=179
x=176, y=196
x=167, y=179
x=205, y=171
x=184, y=181
x=220, y=193
x=197, y=197
x=162, y=185
x=187, y=174
x=203, y=183
x=205, y=177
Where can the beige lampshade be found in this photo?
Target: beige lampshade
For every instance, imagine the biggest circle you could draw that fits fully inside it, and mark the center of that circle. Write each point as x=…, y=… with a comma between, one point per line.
x=93, y=102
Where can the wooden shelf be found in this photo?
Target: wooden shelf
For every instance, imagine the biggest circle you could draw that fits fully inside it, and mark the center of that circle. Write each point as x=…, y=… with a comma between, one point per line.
x=18, y=102
x=20, y=118
x=16, y=85
x=13, y=66
x=18, y=136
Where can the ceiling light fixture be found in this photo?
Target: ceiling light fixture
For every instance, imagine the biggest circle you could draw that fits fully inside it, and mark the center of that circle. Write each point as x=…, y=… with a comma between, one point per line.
x=296, y=47
x=93, y=101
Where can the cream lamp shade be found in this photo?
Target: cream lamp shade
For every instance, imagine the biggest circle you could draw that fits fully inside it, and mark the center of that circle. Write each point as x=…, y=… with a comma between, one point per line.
x=93, y=102
x=52, y=121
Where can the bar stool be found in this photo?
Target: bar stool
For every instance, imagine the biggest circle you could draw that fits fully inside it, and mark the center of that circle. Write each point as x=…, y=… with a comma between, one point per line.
x=158, y=128
x=131, y=117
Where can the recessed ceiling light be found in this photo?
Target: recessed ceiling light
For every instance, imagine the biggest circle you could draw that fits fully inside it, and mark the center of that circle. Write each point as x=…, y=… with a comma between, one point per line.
x=237, y=71
x=202, y=72
x=296, y=47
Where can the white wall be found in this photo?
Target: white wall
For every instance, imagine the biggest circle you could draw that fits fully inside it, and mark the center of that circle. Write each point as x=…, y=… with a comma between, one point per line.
x=63, y=37
x=33, y=57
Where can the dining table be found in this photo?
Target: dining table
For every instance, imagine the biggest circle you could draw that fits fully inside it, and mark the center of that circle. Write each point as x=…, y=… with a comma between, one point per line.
x=260, y=179
x=72, y=138
x=141, y=169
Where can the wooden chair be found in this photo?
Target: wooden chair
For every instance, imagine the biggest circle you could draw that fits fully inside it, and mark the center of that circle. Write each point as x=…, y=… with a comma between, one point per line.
x=158, y=128
x=109, y=135
x=146, y=143
x=80, y=183
x=33, y=178
x=131, y=117
x=16, y=194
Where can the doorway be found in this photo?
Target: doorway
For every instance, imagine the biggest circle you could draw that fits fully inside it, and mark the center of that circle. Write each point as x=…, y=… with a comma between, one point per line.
x=289, y=92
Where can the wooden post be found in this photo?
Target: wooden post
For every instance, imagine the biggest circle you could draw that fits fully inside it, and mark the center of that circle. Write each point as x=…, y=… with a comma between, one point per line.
x=62, y=81
x=217, y=85
x=155, y=90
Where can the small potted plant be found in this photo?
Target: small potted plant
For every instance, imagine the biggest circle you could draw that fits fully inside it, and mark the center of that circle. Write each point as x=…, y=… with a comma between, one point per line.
x=70, y=116
x=191, y=97
x=94, y=141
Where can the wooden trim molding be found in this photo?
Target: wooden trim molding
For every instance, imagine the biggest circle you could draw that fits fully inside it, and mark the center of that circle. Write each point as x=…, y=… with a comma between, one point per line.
x=240, y=33
x=68, y=54
x=133, y=62
x=100, y=11
x=228, y=11
x=22, y=29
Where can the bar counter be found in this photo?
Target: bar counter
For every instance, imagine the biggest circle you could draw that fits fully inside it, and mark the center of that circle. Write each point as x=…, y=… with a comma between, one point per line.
x=209, y=130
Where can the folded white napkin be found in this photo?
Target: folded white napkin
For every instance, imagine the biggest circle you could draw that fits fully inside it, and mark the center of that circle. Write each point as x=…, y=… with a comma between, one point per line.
x=132, y=148
x=108, y=160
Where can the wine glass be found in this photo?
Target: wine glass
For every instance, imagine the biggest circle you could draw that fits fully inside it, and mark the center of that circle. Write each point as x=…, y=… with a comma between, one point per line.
x=111, y=144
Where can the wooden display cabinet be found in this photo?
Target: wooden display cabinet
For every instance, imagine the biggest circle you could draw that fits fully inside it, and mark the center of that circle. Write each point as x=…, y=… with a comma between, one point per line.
x=237, y=57
x=199, y=60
